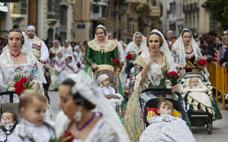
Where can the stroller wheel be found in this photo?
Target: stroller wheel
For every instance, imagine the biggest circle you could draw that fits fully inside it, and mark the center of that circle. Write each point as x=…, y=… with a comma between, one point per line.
x=209, y=128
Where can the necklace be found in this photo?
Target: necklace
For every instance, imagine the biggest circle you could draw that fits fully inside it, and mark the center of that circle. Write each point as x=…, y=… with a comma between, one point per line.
x=18, y=54
x=86, y=123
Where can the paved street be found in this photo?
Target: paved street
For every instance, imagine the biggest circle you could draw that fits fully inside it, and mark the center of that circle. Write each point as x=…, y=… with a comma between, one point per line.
x=219, y=133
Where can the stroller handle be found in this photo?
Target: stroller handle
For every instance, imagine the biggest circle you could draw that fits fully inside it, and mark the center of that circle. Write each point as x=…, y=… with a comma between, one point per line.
x=164, y=90
x=10, y=93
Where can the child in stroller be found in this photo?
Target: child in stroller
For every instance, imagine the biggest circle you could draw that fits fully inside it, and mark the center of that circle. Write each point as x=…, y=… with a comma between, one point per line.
x=200, y=102
x=109, y=92
x=165, y=127
x=7, y=125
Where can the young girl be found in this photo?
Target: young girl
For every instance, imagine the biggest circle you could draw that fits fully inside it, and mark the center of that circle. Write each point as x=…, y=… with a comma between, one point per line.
x=165, y=110
x=105, y=86
x=166, y=127
x=109, y=92
x=33, y=127
x=59, y=65
x=7, y=125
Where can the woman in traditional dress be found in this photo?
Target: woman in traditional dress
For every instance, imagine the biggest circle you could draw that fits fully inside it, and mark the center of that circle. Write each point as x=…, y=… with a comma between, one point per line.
x=14, y=62
x=187, y=52
x=137, y=45
x=88, y=116
x=100, y=52
x=134, y=49
x=67, y=49
x=157, y=63
x=54, y=51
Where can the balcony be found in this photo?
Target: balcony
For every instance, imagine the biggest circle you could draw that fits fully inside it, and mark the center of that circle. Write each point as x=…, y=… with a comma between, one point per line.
x=98, y=12
x=190, y=7
x=137, y=1
x=97, y=16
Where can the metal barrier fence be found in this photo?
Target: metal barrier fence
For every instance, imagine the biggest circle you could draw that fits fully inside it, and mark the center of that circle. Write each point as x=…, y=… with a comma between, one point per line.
x=219, y=80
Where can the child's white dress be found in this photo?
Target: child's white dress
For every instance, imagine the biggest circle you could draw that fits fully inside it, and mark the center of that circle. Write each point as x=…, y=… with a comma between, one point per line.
x=167, y=129
x=27, y=131
x=111, y=91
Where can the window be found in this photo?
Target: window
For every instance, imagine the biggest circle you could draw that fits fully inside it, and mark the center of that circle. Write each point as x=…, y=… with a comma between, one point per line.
x=63, y=15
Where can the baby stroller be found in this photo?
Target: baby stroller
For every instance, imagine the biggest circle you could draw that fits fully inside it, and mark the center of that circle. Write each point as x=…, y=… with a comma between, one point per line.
x=7, y=104
x=149, y=100
x=197, y=94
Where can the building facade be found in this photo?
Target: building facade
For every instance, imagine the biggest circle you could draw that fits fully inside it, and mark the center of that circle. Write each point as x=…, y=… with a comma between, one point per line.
x=121, y=17
x=53, y=19
x=173, y=16
x=196, y=17
x=3, y=14
x=179, y=14
x=76, y=20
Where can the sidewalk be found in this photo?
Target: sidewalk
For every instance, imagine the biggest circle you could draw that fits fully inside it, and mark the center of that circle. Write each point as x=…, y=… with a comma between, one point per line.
x=219, y=132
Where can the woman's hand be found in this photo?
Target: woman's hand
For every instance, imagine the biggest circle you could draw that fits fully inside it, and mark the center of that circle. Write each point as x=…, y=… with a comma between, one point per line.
x=175, y=88
x=94, y=67
x=35, y=85
x=179, y=66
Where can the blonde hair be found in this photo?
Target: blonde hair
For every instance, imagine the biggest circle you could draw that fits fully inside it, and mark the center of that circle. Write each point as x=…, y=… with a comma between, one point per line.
x=28, y=96
x=166, y=103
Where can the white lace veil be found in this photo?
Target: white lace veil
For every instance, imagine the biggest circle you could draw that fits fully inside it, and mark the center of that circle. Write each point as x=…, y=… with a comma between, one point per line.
x=89, y=90
x=132, y=45
x=155, y=74
x=178, y=47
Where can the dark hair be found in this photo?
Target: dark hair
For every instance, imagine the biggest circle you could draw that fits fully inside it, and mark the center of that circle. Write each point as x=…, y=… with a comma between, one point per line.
x=154, y=33
x=102, y=29
x=186, y=31
x=13, y=115
x=18, y=31
x=77, y=97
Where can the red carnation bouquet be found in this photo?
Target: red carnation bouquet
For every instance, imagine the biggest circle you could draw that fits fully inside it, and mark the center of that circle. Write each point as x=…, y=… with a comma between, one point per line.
x=21, y=83
x=67, y=137
x=116, y=62
x=173, y=77
x=202, y=62
x=130, y=57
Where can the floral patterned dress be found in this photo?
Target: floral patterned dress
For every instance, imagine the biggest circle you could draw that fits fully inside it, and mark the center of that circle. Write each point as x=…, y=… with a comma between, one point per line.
x=8, y=71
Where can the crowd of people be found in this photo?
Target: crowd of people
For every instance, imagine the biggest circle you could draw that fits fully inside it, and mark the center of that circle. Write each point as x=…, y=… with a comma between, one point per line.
x=99, y=83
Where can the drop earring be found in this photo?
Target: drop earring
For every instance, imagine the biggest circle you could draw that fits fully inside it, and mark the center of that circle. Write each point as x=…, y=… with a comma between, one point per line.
x=78, y=115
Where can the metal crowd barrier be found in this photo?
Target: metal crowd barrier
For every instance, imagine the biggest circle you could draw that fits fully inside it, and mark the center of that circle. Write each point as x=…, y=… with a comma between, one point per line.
x=219, y=80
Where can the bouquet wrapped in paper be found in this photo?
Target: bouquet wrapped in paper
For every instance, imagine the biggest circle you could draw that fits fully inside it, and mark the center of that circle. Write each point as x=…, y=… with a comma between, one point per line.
x=21, y=83
x=173, y=77
x=202, y=62
x=117, y=64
